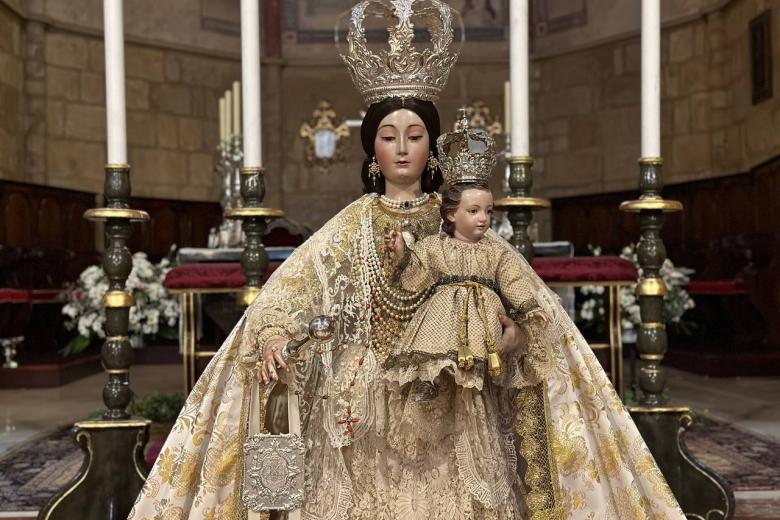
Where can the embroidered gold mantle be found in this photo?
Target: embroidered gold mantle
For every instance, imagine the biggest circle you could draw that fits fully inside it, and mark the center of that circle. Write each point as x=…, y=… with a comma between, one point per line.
x=579, y=456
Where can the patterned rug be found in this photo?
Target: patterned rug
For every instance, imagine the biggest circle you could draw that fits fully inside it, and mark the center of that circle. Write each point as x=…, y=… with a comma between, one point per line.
x=750, y=462
x=30, y=474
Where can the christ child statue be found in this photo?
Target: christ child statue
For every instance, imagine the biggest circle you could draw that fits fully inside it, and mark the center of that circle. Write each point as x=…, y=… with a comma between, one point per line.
x=478, y=278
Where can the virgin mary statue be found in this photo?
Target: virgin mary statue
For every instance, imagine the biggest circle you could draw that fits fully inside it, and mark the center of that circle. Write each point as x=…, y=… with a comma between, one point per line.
x=551, y=440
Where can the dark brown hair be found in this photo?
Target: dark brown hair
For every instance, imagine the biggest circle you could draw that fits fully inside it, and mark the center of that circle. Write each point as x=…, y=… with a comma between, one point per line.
x=450, y=200
x=376, y=112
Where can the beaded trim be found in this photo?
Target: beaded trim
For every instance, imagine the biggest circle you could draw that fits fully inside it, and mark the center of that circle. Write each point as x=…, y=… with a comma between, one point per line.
x=487, y=282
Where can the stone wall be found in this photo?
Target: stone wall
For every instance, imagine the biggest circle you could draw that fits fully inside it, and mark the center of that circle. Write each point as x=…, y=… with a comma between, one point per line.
x=11, y=94
x=586, y=108
x=567, y=25
x=171, y=116
x=200, y=25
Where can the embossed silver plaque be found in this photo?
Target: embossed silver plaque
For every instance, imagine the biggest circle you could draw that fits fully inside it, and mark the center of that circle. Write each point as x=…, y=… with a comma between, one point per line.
x=273, y=472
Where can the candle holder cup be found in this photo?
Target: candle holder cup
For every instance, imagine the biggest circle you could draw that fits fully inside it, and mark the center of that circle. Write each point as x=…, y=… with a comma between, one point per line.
x=254, y=258
x=519, y=204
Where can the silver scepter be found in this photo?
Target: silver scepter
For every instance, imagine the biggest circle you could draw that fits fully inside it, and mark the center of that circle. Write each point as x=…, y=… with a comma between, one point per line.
x=321, y=328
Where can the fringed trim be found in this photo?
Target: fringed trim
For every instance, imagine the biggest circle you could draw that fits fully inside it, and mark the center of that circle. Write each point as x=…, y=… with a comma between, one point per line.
x=491, y=495
x=535, y=449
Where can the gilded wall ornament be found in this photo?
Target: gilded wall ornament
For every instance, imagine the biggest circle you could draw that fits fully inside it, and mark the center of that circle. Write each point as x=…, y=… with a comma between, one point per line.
x=479, y=116
x=325, y=137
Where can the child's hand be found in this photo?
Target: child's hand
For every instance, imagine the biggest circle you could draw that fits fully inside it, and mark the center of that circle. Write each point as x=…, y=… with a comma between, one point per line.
x=512, y=337
x=394, y=244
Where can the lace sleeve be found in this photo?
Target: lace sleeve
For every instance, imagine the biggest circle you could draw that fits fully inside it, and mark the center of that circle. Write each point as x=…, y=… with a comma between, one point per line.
x=530, y=364
x=288, y=301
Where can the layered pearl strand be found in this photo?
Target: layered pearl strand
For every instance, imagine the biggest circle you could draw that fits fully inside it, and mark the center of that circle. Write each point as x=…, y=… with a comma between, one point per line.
x=390, y=306
x=404, y=204
x=384, y=304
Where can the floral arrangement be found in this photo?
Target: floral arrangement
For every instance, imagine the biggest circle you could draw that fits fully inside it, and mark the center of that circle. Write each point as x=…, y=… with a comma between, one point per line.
x=155, y=313
x=591, y=312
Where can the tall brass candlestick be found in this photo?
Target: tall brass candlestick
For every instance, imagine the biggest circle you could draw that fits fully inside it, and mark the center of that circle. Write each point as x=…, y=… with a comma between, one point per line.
x=113, y=472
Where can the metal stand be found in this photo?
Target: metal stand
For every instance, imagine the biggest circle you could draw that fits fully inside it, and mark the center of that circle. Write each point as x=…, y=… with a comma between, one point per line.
x=520, y=205
x=113, y=472
x=701, y=492
x=254, y=259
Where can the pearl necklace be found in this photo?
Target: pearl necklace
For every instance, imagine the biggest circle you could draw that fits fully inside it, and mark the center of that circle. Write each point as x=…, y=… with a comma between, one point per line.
x=404, y=204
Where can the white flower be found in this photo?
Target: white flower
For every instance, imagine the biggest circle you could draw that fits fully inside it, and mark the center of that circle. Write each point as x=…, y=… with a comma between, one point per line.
x=84, y=309
x=70, y=310
x=675, y=304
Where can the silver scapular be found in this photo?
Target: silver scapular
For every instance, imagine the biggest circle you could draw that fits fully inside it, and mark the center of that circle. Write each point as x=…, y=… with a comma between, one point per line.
x=274, y=463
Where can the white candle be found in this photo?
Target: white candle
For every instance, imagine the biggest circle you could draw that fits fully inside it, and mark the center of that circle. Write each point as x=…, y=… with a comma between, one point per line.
x=507, y=108
x=518, y=76
x=229, y=113
x=236, y=108
x=651, y=78
x=222, y=132
x=115, y=81
x=250, y=81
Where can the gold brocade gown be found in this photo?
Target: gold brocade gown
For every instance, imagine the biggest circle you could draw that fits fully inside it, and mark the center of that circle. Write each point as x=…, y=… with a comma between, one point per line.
x=375, y=453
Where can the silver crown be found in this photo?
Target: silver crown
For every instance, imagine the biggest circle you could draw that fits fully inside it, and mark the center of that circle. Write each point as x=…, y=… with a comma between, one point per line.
x=466, y=154
x=404, y=70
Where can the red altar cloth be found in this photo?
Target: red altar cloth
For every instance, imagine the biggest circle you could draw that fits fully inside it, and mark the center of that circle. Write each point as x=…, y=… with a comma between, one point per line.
x=585, y=269
x=716, y=287
x=10, y=295
x=207, y=275
x=552, y=269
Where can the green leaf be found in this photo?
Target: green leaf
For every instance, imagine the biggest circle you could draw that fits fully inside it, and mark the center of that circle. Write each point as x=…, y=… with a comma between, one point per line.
x=158, y=407
x=166, y=332
x=76, y=345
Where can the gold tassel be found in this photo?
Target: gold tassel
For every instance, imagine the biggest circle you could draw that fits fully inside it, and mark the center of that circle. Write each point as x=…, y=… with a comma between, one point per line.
x=494, y=364
x=469, y=358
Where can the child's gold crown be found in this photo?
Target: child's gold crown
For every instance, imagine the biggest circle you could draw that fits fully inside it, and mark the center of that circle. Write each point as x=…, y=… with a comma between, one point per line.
x=466, y=154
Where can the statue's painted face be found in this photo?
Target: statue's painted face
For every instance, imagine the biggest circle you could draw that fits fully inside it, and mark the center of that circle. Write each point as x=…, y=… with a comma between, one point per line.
x=473, y=215
x=402, y=145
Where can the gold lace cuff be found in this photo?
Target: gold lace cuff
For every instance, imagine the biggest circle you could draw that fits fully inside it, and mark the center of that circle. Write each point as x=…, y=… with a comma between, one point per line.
x=536, y=362
x=524, y=311
x=264, y=335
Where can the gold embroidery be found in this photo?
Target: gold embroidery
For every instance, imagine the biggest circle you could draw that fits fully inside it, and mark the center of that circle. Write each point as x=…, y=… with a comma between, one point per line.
x=534, y=447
